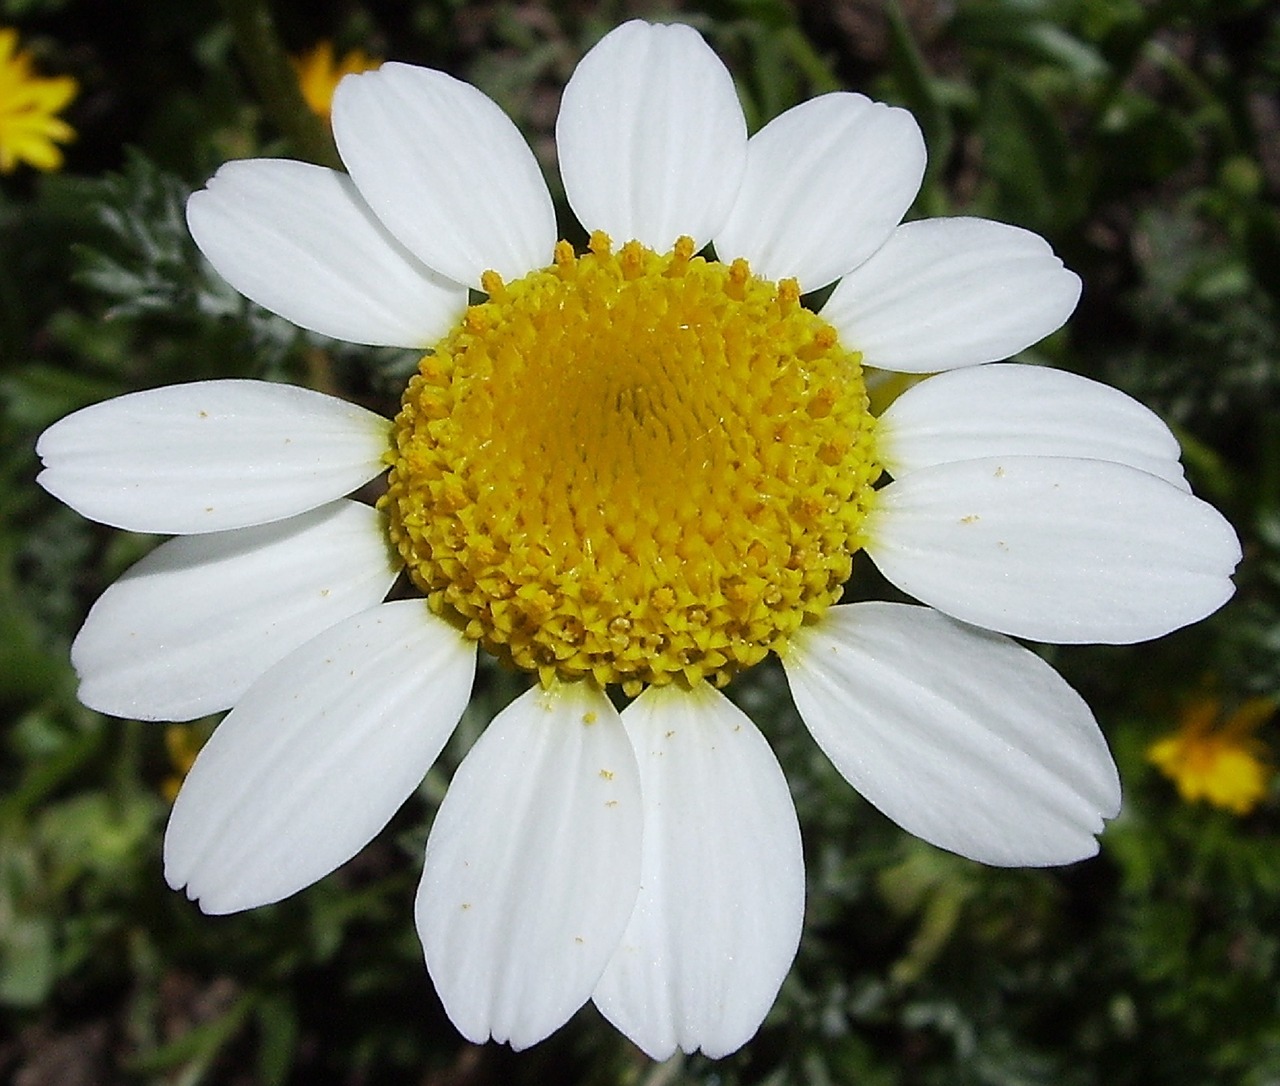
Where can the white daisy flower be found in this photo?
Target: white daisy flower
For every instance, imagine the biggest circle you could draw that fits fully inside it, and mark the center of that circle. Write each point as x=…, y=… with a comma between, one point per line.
x=632, y=466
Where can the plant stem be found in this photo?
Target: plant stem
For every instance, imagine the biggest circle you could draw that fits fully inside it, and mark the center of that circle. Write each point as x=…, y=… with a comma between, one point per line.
x=276, y=82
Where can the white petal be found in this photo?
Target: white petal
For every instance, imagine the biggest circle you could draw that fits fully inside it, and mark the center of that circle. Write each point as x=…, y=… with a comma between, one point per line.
x=942, y=293
x=826, y=183
x=210, y=455
x=317, y=757
x=185, y=631
x=532, y=866
x=962, y=737
x=721, y=902
x=1011, y=410
x=446, y=170
x=651, y=137
x=1054, y=549
x=299, y=240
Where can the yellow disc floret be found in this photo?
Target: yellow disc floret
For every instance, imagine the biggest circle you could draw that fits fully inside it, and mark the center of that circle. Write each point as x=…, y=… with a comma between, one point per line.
x=632, y=466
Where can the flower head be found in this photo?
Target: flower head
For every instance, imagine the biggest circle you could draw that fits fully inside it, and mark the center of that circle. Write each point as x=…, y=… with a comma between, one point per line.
x=645, y=465
x=320, y=72
x=30, y=129
x=1220, y=761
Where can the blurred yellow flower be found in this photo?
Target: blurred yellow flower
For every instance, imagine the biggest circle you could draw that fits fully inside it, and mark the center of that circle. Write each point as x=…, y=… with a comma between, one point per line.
x=319, y=73
x=182, y=744
x=29, y=129
x=1215, y=759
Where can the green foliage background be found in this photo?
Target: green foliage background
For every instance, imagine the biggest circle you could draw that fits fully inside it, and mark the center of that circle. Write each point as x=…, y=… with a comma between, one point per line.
x=1142, y=138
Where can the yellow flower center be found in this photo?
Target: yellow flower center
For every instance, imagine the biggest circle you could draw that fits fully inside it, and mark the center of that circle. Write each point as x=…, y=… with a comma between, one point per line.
x=632, y=466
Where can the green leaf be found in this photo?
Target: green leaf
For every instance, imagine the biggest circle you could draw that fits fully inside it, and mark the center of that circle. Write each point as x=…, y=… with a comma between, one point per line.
x=921, y=93
x=1025, y=153
x=199, y=1046
x=277, y=1039
x=1027, y=30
